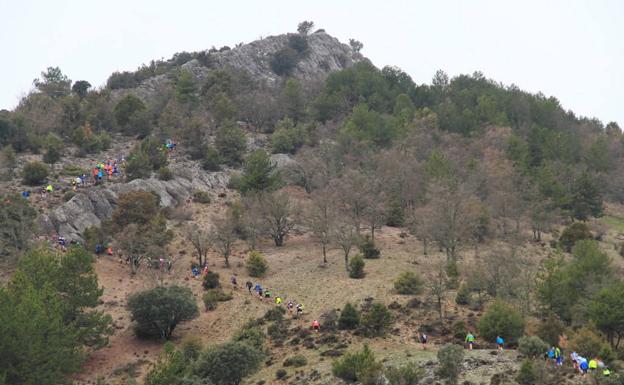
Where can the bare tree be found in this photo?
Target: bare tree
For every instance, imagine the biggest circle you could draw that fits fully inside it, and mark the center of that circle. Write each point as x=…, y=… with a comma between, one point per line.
x=200, y=239
x=353, y=194
x=252, y=222
x=319, y=220
x=278, y=216
x=223, y=236
x=345, y=235
x=419, y=225
x=453, y=218
x=438, y=286
x=139, y=246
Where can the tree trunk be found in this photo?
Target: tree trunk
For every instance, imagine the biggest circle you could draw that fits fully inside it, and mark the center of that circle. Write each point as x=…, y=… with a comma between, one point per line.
x=227, y=260
x=324, y=255
x=424, y=246
x=346, y=256
x=373, y=233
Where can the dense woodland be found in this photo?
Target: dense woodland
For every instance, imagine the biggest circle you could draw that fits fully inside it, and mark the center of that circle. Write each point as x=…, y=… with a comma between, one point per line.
x=458, y=163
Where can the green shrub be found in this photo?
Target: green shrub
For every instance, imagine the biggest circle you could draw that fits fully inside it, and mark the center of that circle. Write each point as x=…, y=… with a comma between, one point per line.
x=34, y=173
x=452, y=272
x=165, y=173
x=395, y=217
x=407, y=374
x=284, y=61
x=68, y=196
x=349, y=317
x=450, y=357
x=235, y=181
x=296, y=361
x=256, y=264
x=277, y=331
x=408, y=282
x=280, y=373
x=575, y=232
x=228, y=363
x=360, y=366
x=299, y=43
x=356, y=267
x=73, y=170
x=551, y=329
x=258, y=173
x=532, y=346
x=213, y=296
x=526, y=374
x=586, y=342
x=377, y=320
x=211, y=280
x=202, y=197
x=275, y=314
x=463, y=295
x=138, y=166
x=501, y=320
x=211, y=160
x=460, y=329
x=230, y=143
x=158, y=311
x=368, y=249
x=251, y=334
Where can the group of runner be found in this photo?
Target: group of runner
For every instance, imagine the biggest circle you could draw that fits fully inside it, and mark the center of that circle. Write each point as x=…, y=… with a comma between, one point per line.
x=265, y=294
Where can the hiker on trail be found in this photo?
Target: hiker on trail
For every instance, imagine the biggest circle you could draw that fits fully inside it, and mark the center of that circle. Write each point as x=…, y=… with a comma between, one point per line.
x=299, y=308
x=583, y=365
x=258, y=287
x=290, y=306
x=423, y=340
x=98, y=249
x=49, y=189
x=558, y=356
x=74, y=185
x=470, y=340
x=551, y=354
x=278, y=300
x=234, y=283
x=593, y=364
x=169, y=266
x=195, y=271
x=574, y=357
x=25, y=194
x=606, y=372
x=316, y=326
x=260, y=293
x=267, y=294
x=499, y=342
x=249, y=285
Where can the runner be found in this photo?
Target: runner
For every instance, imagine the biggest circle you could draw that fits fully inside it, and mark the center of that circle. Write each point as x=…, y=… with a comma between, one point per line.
x=423, y=340
x=470, y=340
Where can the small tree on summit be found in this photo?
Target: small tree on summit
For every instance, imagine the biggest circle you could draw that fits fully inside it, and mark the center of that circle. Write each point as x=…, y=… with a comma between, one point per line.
x=356, y=45
x=304, y=27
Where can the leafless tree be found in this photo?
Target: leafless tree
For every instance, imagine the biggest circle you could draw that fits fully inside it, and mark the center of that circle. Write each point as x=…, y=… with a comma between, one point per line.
x=278, y=216
x=320, y=218
x=223, y=236
x=200, y=239
x=346, y=236
x=438, y=286
x=251, y=221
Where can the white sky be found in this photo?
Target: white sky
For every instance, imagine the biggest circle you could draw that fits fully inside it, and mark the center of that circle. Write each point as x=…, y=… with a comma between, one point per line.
x=573, y=50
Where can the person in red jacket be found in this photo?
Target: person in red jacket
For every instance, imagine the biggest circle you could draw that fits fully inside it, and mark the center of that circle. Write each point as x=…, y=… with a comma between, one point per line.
x=316, y=326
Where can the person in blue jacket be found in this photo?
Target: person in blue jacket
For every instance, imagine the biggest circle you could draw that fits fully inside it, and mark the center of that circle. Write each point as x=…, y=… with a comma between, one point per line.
x=499, y=342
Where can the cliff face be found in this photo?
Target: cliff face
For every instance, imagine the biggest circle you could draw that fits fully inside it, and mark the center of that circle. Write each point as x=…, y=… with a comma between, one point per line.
x=325, y=54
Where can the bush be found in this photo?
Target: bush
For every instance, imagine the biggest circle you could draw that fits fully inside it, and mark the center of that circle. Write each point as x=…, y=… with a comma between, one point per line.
x=296, y=361
x=164, y=173
x=329, y=320
x=588, y=343
x=275, y=314
x=460, y=329
x=231, y=143
x=284, y=61
x=213, y=296
x=404, y=375
x=34, y=173
x=139, y=207
x=526, y=374
x=138, y=166
x=450, y=357
x=280, y=373
x=228, y=363
x=158, y=311
x=235, y=181
x=258, y=173
x=360, y=366
x=501, y=320
x=256, y=264
x=356, y=267
x=572, y=234
x=532, y=346
x=377, y=320
x=252, y=335
x=395, y=216
x=463, y=295
x=211, y=280
x=202, y=197
x=68, y=196
x=299, y=43
x=550, y=330
x=277, y=331
x=408, y=283
x=211, y=160
x=349, y=317
x=368, y=249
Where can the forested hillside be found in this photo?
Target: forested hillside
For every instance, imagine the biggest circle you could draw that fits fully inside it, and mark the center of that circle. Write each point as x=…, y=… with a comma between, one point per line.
x=461, y=205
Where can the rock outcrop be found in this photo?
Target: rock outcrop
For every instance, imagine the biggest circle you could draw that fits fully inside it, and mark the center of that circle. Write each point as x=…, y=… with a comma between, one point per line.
x=91, y=206
x=325, y=54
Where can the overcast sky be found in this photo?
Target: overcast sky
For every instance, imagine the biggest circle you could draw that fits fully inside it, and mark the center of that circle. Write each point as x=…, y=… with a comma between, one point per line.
x=573, y=50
